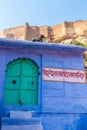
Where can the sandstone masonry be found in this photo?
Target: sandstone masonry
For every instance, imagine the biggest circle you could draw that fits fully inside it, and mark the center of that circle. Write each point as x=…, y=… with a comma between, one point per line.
x=64, y=32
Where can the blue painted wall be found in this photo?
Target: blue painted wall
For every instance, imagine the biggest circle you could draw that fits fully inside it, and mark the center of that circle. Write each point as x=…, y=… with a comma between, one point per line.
x=62, y=105
x=64, y=96
x=64, y=121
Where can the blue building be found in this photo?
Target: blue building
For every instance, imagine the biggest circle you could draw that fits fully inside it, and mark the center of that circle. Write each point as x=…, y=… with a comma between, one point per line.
x=42, y=86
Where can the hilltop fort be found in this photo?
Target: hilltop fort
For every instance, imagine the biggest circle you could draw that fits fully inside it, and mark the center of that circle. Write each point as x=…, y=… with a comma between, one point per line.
x=63, y=32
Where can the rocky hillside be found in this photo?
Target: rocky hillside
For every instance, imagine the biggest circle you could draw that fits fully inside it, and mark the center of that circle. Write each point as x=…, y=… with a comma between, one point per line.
x=66, y=32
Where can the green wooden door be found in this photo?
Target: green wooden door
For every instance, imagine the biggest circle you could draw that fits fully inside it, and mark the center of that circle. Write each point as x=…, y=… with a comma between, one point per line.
x=21, y=86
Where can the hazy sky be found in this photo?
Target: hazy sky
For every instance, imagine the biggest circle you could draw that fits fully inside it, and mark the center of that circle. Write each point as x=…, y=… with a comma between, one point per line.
x=40, y=12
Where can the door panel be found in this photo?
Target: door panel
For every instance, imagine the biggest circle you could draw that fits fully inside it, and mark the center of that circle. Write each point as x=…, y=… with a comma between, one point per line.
x=27, y=69
x=29, y=98
x=29, y=91
x=29, y=84
x=12, y=90
x=26, y=83
x=14, y=69
x=11, y=97
x=12, y=83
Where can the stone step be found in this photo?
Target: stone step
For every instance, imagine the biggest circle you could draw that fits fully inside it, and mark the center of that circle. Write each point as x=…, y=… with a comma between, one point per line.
x=16, y=121
x=22, y=127
x=20, y=114
x=21, y=120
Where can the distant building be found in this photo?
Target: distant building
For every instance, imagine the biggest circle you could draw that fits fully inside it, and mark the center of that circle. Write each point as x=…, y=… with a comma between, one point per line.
x=42, y=86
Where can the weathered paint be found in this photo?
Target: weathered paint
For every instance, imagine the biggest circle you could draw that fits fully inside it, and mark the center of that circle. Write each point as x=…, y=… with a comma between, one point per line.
x=61, y=105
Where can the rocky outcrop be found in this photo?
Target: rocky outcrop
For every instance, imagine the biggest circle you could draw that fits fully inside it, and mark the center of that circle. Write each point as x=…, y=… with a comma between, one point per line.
x=63, y=33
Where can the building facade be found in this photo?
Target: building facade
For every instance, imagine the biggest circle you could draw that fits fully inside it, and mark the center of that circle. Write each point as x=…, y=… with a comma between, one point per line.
x=42, y=86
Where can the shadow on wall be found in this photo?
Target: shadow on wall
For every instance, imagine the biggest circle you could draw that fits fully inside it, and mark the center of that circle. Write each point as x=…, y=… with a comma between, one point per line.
x=3, y=113
x=82, y=122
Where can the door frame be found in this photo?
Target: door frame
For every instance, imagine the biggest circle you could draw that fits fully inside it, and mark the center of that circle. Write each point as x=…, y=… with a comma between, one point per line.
x=35, y=108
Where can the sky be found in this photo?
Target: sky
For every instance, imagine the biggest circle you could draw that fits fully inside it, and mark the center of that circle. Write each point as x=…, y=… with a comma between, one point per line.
x=40, y=12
